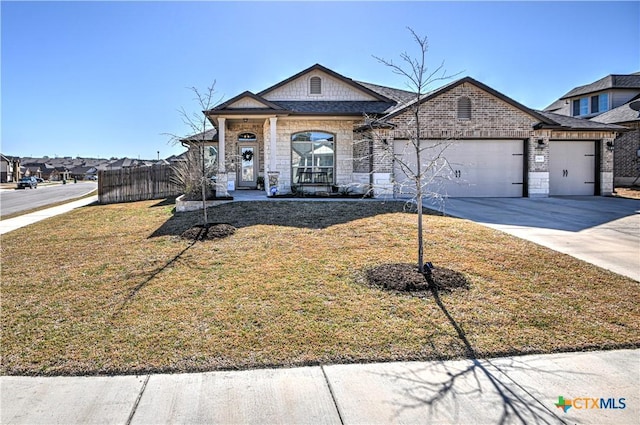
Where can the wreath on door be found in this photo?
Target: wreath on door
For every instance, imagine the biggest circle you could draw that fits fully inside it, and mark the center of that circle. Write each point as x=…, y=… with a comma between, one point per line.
x=247, y=155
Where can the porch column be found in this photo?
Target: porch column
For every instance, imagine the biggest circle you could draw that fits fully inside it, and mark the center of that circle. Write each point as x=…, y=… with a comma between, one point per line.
x=222, y=159
x=272, y=140
x=221, y=156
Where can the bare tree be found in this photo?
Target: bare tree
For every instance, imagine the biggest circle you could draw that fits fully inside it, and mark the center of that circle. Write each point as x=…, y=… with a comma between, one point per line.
x=423, y=171
x=196, y=170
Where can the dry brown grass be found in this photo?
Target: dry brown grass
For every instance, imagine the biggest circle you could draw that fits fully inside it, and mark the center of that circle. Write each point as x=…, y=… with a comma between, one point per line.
x=628, y=192
x=113, y=289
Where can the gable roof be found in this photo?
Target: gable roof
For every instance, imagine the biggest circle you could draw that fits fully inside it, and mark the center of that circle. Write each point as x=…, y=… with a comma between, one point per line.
x=612, y=81
x=400, y=96
x=210, y=135
x=437, y=92
x=267, y=104
x=318, y=67
x=623, y=113
x=564, y=122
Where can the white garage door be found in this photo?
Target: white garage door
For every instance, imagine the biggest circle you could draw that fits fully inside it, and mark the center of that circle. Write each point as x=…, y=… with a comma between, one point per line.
x=469, y=168
x=572, y=168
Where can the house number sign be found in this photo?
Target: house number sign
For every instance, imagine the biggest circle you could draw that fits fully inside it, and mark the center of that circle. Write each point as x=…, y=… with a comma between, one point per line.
x=539, y=158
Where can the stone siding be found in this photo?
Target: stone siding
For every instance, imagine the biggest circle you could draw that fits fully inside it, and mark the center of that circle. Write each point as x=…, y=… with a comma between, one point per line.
x=234, y=129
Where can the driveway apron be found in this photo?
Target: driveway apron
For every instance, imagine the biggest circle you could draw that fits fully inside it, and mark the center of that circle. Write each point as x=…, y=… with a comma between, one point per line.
x=603, y=231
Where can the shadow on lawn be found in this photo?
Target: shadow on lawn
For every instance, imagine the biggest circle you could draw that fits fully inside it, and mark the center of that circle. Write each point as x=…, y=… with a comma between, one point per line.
x=301, y=214
x=132, y=293
x=476, y=382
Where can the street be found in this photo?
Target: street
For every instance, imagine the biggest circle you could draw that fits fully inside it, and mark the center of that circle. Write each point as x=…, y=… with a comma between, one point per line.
x=13, y=201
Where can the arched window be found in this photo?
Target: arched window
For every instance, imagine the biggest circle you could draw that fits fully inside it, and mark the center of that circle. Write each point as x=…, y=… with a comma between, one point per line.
x=312, y=157
x=464, y=108
x=247, y=137
x=315, y=85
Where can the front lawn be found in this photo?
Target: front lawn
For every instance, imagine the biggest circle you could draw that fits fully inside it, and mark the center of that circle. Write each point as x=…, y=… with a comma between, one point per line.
x=114, y=289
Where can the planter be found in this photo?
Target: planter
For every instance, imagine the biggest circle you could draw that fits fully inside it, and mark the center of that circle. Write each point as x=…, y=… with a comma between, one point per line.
x=184, y=206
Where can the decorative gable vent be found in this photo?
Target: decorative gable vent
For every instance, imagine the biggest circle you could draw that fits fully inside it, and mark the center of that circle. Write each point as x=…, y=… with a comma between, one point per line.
x=464, y=108
x=315, y=85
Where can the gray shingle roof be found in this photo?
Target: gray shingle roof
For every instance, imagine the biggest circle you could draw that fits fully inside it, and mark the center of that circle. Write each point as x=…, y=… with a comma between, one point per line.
x=335, y=107
x=571, y=123
x=209, y=135
x=621, y=114
x=613, y=81
x=556, y=106
x=400, y=96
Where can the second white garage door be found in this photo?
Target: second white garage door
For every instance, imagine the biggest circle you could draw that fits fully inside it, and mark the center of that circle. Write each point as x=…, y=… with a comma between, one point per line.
x=474, y=168
x=572, y=168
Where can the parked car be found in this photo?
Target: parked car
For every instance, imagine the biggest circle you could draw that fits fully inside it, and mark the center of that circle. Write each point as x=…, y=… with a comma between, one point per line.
x=92, y=177
x=28, y=182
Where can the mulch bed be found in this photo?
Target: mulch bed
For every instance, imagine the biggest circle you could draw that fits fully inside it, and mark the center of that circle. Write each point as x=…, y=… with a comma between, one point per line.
x=208, y=231
x=405, y=277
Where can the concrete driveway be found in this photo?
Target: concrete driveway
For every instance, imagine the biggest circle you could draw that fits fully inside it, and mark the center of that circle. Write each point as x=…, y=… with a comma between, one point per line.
x=600, y=230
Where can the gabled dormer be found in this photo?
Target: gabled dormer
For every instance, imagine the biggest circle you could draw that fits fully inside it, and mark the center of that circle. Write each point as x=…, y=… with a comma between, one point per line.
x=318, y=83
x=246, y=102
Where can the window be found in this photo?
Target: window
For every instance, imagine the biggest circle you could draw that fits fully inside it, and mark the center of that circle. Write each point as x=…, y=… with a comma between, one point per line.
x=590, y=105
x=464, y=108
x=312, y=157
x=211, y=158
x=584, y=106
x=603, y=102
x=247, y=137
x=594, y=104
x=315, y=85
x=576, y=108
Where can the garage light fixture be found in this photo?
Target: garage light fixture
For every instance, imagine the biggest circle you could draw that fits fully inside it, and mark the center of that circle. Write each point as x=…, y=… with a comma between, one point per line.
x=541, y=144
x=610, y=146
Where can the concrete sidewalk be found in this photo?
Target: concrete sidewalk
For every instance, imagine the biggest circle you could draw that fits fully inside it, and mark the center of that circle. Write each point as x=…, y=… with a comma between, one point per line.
x=506, y=390
x=12, y=224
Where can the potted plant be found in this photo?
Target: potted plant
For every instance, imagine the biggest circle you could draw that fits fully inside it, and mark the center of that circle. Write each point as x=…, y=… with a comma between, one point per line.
x=260, y=183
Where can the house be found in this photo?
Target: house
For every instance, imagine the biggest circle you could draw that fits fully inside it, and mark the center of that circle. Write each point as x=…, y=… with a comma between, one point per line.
x=9, y=169
x=309, y=131
x=82, y=172
x=46, y=170
x=609, y=100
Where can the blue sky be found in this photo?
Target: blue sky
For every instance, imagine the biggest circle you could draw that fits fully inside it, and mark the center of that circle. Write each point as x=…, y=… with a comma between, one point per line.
x=103, y=79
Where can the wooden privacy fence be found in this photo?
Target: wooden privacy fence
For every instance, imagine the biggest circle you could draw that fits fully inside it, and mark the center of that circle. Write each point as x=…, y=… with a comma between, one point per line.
x=136, y=184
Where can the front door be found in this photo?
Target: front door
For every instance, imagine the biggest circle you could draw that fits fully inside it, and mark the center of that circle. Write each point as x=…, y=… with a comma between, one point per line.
x=248, y=170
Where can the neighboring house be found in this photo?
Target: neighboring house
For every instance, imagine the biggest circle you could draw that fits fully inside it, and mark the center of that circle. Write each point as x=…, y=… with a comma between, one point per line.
x=308, y=130
x=608, y=100
x=626, y=156
x=32, y=170
x=9, y=169
x=82, y=173
x=46, y=170
x=60, y=173
x=128, y=163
